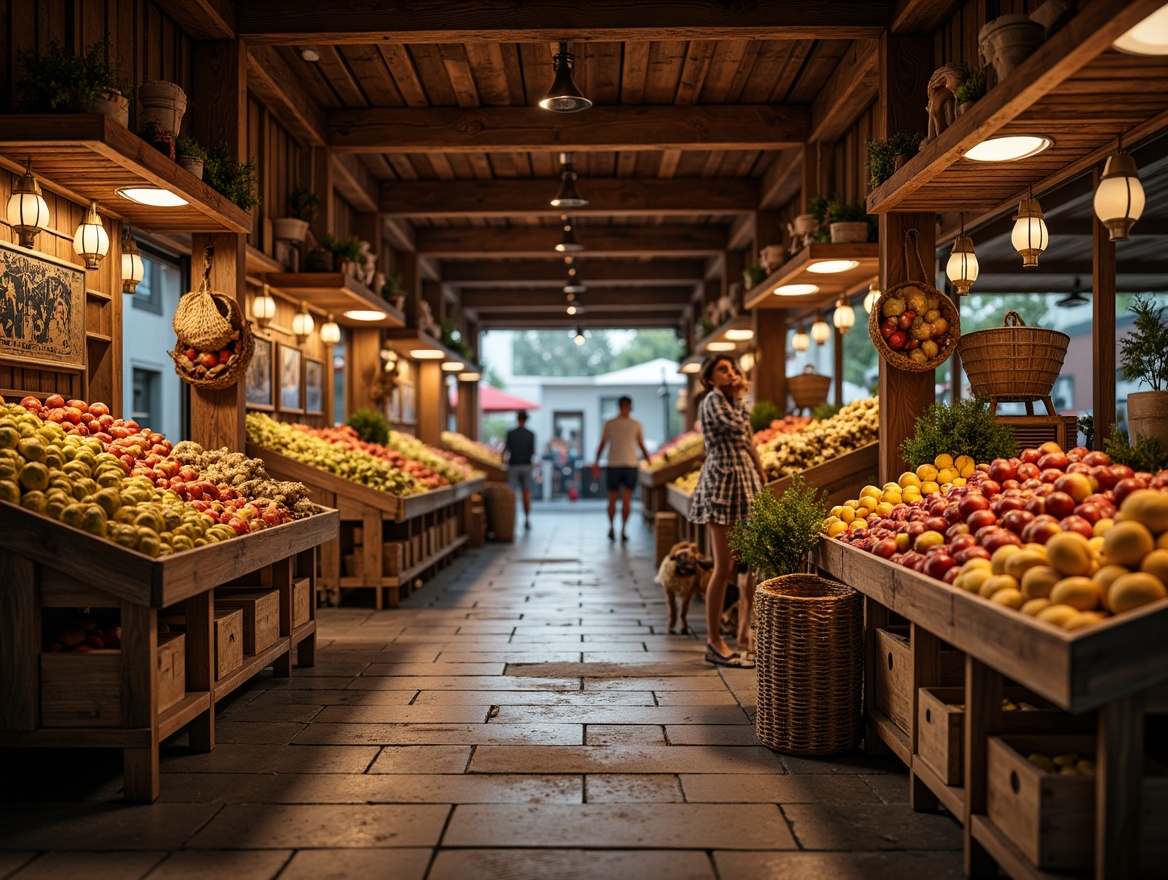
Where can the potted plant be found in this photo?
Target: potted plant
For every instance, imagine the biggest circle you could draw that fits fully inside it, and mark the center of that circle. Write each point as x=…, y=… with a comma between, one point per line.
x=391, y=292
x=190, y=154
x=62, y=82
x=234, y=179
x=887, y=156
x=302, y=207
x=848, y=222
x=971, y=89
x=319, y=259
x=753, y=276
x=163, y=104
x=1144, y=355
x=1007, y=41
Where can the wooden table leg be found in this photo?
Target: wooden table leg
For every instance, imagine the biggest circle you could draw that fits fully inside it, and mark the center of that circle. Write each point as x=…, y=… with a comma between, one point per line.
x=371, y=553
x=926, y=672
x=1119, y=771
x=139, y=655
x=306, y=567
x=983, y=713
x=281, y=572
x=201, y=666
x=875, y=616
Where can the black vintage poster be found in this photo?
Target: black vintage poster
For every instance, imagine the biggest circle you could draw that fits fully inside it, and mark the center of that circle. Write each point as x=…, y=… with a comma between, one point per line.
x=42, y=309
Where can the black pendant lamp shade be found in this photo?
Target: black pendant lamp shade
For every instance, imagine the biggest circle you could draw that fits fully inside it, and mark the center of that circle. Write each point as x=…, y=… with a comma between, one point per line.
x=569, y=244
x=1074, y=298
x=567, y=196
x=563, y=96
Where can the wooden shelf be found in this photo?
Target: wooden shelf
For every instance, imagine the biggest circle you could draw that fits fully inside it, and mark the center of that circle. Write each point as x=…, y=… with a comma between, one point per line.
x=407, y=339
x=252, y=663
x=796, y=271
x=891, y=735
x=89, y=157
x=183, y=712
x=336, y=293
x=1010, y=858
x=952, y=797
x=1074, y=89
x=105, y=338
x=99, y=295
x=413, y=571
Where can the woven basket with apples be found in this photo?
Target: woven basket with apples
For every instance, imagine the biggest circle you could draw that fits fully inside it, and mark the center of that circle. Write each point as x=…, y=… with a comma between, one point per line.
x=215, y=341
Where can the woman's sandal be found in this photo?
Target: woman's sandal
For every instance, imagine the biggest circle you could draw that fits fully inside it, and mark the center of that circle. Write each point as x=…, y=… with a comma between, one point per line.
x=732, y=659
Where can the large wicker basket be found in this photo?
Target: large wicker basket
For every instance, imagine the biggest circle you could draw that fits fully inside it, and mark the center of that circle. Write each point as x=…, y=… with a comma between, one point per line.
x=236, y=366
x=810, y=664
x=808, y=389
x=1013, y=362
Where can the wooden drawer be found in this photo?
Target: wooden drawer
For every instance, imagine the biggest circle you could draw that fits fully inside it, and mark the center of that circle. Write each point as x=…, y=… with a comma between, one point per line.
x=82, y=690
x=392, y=562
x=261, y=616
x=302, y=601
x=170, y=670
x=228, y=638
x=1051, y=818
x=940, y=726
x=894, y=678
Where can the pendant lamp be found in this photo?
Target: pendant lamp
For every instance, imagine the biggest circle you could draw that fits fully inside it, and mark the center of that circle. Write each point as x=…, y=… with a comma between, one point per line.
x=91, y=241
x=1119, y=200
x=133, y=269
x=563, y=96
x=28, y=212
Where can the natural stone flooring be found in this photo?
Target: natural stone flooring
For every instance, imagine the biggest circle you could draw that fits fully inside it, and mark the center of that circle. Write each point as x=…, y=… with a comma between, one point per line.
x=524, y=715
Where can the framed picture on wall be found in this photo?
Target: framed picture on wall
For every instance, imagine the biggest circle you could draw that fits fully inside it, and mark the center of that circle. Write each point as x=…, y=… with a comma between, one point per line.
x=258, y=382
x=291, y=379
x=313, y=387
x=42, y=309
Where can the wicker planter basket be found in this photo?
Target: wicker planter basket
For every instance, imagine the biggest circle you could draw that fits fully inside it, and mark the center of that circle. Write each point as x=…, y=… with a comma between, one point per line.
x=949, y=312
x=810, y=665
x=209, y=321
x=499, y=505
x=1013, y=362
x=808, y=389
x=236, y=367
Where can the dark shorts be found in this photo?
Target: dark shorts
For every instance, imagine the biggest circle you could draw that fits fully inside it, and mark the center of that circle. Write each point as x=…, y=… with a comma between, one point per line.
x=519, y=476
x=621, y=476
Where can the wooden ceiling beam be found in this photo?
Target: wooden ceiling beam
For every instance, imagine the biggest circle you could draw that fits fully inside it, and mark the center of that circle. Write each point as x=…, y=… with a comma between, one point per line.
x=400, y=235
x=782, y=180
x=921, y=16
x=295, y=22
x=491, y=243
x=354, y=182
x=741, y=232
x=595, y=273
x=616, y=298
x=204, y=19
x=609, y=197
x=852, y=87
x=273, y=82
x=592, y=318
x=606, y=129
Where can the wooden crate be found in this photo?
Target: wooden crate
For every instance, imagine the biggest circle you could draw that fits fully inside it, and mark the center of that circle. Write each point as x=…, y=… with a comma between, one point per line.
x=170, y=669
x=941, y=726
x=82, y=690
x=894, y=674
x=665, y=534
x=1051, y=818
x=302, y=601
x=228, y=637
x=1033, y=431
x=261, y=616
x=392, y=558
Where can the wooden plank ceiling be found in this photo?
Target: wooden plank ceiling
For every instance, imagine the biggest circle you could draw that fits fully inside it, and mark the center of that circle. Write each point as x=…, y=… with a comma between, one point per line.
x=674, y=151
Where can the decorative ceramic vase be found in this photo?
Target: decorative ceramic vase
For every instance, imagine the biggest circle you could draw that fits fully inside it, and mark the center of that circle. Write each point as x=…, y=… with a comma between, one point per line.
x=1007, y=41
x=289, y=229
x=115, y=105
x=163, y=104
x=193, y=165
x=849, y=232
x=805, y=224
x=772, y=257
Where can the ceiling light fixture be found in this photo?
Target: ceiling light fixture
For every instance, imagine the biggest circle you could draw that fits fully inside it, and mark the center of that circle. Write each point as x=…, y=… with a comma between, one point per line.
x=453, y=366
x=1009, y=148
x=154, y=196
x=1119, y=200
x=578, y=337
x=820, y=332
x=330, y=332
x=567, y=196
x=133, y=269
x=962, y=267
x=302, y=324
x=1029, y=236
x=470, y=376
x=800, y=341
x=308, y=53
x=28, y=212
x=832, y=267
x=796, y=290
x=746, y=362
x=720, y=346
x=691, y=368
x=91, y=241
x=871, y=296
x=573, y=285
x=1149, y=37
x=569, y=243
x=426, y=354
x=844, y=316
x=563, y=96
x=1075, y=297
x=263, y=307
x=740, y=334
x=364, y=315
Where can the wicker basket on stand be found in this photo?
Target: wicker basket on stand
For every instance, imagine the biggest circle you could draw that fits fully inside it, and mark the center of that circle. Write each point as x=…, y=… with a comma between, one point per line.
x=810, y=665
x=808, y=389
x=499, y=504
x=1014, y=362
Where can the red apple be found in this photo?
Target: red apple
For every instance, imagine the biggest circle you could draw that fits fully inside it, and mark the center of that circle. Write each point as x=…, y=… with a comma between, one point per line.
x=53, y=401
x=938, y=507
x=1159, y=481
x=1097, y=459
x=1028, y=471
x=1010, y=485
x=979, y=519
x=1060, y=504
x=209, y=359
x=1078, y=467
x=963, y=556
x=1077, y=485
x=905, y=320
x=911, y=344
x=1003, y=469
x=897, y=340
x=1056, y=460
x=939, y=563
x=936, y=524
x=956, y=530
x=888, y=327
x=1049, y=446
x=1049, y=475
x=983, y=534
x=1077, y=453
x=1000, y=538
x=1122, y=472
x=960, y=542
x=1017, y=520
x=1041, y=530
x=971, y=503
x=1103, y=476
x=1125, y=487
x=1090, y=512
x=951, y=574
x=1077, y=524
x=990, y=488
x=1030, y=456
x=884, y=547
x=1005, y=504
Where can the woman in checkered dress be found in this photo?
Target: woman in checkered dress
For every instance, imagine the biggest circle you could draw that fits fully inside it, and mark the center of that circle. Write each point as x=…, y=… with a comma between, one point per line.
x=731, y=476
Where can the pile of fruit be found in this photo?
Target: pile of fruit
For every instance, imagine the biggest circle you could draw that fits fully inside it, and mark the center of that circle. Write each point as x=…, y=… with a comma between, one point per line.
x=1065, y=537
x=785, y=425
x=198, y=364
x=75, y=463
x=472, y=448
x=912, y=323
x=83, y=636
x=856, y=425
x=683, y=446
x=453, y=468
x=1064, y=765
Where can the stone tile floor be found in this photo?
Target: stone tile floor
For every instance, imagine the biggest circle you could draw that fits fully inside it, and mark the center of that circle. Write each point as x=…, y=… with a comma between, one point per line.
x=525, y=714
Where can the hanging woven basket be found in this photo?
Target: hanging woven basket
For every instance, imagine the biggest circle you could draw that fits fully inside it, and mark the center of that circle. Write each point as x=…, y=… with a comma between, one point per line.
x=922, y=291
x=1013, y=362
x=231, y=355
x=200, y=321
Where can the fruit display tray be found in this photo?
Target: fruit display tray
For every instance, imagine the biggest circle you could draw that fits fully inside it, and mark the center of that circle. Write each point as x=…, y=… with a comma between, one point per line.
x=493, y=472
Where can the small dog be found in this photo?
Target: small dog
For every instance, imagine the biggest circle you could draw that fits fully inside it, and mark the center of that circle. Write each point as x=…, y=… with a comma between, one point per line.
x=683, y=572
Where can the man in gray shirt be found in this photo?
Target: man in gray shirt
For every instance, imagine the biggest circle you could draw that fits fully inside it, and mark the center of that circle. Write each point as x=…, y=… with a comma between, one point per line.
x=518, y=453
x=625, y=435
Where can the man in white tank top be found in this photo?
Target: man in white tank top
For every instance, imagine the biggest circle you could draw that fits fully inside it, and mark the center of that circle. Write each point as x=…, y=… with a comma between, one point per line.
x=626, y=436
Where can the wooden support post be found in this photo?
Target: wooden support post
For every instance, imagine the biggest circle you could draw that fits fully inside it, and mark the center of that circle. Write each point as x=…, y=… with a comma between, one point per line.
x=875, y=617
x=21, y=646
x=770, y=362
x=431, y=407
x=411, y=286
x=322, y=186
x=926, y=672
x=281, y=575
x=139, y=650
x=733, y=262
x=983, y=714
x=364, y=363
x=692, y=389
x=217, y=416
x=838, y=367
x=468, y=409
x=432, y=295
x=201, y=668
x=811, y=184
x=306, y=568
x=371, y=538
x=1103, y=327
x=1119, y=761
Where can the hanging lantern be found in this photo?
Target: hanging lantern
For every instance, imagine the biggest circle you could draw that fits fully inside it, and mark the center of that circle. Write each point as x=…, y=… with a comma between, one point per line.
x=800, y=341
x=302, y=324
x=820, y=332
x=1030, y=236
x=962, y=267
x=1119, y=200
x=871, y=297
x=263, y=307
x=133, y=268
x=746, y=361
x=28, y=212
x=844, y=316
x=330, y=332
x=91, y=241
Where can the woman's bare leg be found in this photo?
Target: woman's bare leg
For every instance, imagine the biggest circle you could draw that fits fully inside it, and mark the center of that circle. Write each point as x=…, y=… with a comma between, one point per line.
x=716, y=589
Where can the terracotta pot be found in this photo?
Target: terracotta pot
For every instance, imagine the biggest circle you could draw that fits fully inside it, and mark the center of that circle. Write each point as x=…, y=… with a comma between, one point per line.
x=115, y=105
x=163, y=104
x=1009, y=40
x=1147, y=415
x=805, y=223
x=772, y=257
x=849, y=232
x=289, y=229
x=193, y=165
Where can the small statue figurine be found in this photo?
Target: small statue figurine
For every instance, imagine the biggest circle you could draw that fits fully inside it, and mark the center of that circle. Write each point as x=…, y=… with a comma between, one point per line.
x=426, y=323
x=942, y=106
x=367, y=268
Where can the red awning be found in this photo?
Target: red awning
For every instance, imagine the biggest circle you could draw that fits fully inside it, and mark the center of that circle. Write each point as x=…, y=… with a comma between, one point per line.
x=491, y=399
